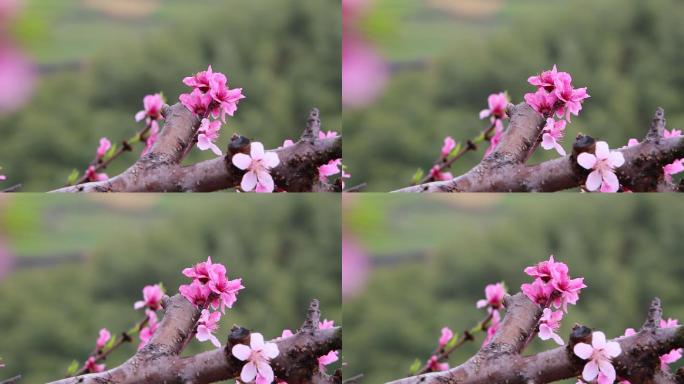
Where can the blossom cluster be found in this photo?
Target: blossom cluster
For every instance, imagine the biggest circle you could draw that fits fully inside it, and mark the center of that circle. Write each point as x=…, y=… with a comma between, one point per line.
x=673, y=168
x=210, y=98
x=665, y=359
x=497, y=103
x=493, y=302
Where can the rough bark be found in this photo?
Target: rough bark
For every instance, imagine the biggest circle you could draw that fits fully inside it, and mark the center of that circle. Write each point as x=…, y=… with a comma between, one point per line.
x=161, y=169
x=160, y=361
x=505, y=170
x=501, y=360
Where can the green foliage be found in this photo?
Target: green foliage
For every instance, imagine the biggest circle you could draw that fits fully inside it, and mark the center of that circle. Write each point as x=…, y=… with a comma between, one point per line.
x=285, y=54
x=287, y=252
x=433, y=258
x=626, y=51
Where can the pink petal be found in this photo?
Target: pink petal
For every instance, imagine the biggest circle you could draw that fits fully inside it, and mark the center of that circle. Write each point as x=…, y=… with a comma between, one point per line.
x=241, y=352
x=598, y=340
x=256, y=341
x=590, y=371
x=582, y=350
x=265, y=181
x=602, y=150
x=586, y=160
x=613, y=349
x=249, y=181
x=257, y=150
x=271, y=350
x=248, y=373
x=265, y=370
x=242, y=161
x=140, y=115
x=594, y=181
x=484, y=113
x=607, y=370
x=271, y=159
x=616, y=159
x=610, y=182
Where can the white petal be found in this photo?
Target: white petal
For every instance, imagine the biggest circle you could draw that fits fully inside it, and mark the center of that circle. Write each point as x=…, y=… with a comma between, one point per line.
x=590, y=371
x=256, y=150
x=271, y=350
x=610, y=180
x=256, y=341
x=602, y=150
x=249, y=181
x=607, y=369
x=248, y=373
x=594, y=181
x=265, y=370
x=271, y=159
x=266, y=181
x=598, y=339
x=242, y=161
x=583, y=350
x=616, y=159
x=586, y=160
x=241, y=352
x=613, y=349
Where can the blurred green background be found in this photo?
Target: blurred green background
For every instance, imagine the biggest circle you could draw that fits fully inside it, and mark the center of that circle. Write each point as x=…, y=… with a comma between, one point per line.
x=97, y=59
x=432, y=257
x=70, y=266
x=446, y=57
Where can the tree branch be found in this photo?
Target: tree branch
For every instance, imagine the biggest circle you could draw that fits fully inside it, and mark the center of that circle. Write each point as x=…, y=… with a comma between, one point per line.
x=160, y=170
x=504, y=170
x=159, y=360
x=502, y=362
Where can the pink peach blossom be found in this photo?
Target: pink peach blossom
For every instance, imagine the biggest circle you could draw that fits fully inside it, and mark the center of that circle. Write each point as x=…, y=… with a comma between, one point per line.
x=553, y=133
x=103, y=338
x=152, y=295
x=327, y=135
x=105, y=144
x=497, y=106
x=258, y=164
x=200, y=271
x=603, y=163
x=258, y=355
x=571, y=98
x=546, y=269
x=435, y=366
x=329, y=169
x=438, y=175
x=542, y=101
x=493, y=327
x=208, y=133
x=538, y=292
x=600, y=354
x=449, y=145
x=197, y=102
x=196, y=293
x=152, y=108
x=673, y=168
x=287, y=143
x=545, y=80
x=201, y=80
x=148, y=331
x=447, y=335
x=673, y=133
x=226, y=99
x=91, y=366
x=494, y=294
x=92, y=175
x=207, y=325
x=226, y=290
x=549, y=324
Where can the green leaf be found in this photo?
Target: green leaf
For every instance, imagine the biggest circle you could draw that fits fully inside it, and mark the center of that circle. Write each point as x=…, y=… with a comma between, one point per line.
x=73, y=368
x=110, y=343
x=456, y=149
x=110, y=152
x=451, y=342
x=73, y=176
x=415, y=367
x=417, y=176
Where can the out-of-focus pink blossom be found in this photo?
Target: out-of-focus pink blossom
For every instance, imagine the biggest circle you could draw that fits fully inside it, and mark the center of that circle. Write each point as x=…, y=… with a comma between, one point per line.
x=105, y=144
x=92, y=175
x=603, y=163
x=152, y=108
x=449, y=145
x=447, y=335
x=437, y=174
x=355, y=267
x=494, y=294
x=258, y=165
x=493, y=327
x=287, y=143
x=148, y=331
x=327, y=135
x=435, y=366
x=673, y=133
x=364, y=71
x=91, y=366
x=18, y=76
x=494, y=142
x=673, y=168
x=152, y=295
x=103, y=338
x=497, y=103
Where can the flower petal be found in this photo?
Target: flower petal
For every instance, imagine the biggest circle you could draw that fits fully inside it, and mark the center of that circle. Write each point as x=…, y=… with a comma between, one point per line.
x=256, y=340
x=271, y=159
x=594, y=181
x=602, y=150
x=598, y=339
x=590, y=371
x=256, y=150
x=583, y=350
x=265, y=370
x=241, y=352
x=248, y=373
x=616, y=159
x=249, y=181
x=242, y=161
x=586, y=160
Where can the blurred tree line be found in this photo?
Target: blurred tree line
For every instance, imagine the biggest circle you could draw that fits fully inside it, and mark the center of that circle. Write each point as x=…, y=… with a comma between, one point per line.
x=285, y=54
x=628, y=53
x=628, y=250
x=50, y=316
